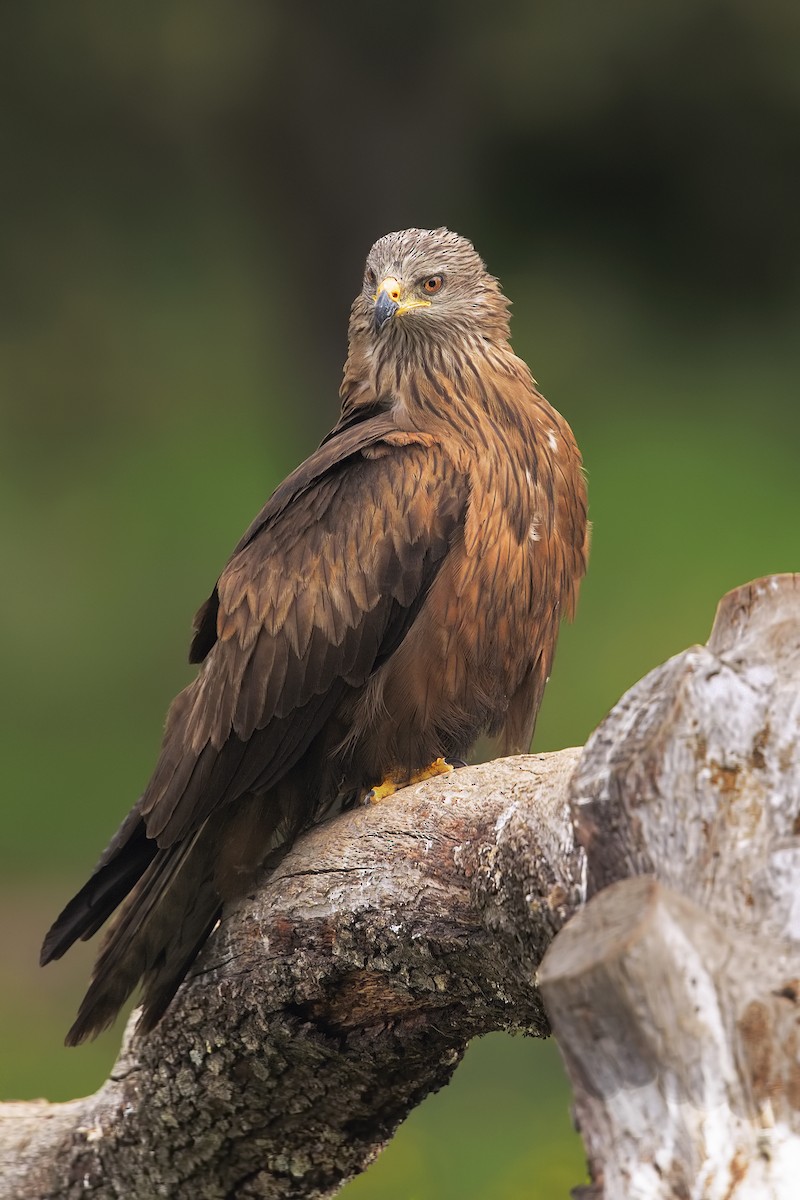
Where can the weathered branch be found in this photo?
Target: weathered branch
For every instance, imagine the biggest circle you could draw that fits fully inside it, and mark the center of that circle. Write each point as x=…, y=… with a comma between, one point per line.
x=328, y=1004
x=681, y=1041
x=678, y=1014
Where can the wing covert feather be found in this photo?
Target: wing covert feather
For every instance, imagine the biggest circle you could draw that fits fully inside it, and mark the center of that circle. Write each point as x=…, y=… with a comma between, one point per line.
x=313, y=600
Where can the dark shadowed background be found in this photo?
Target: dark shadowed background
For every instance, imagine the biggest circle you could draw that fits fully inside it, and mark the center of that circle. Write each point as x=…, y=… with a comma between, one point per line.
x=188, y=192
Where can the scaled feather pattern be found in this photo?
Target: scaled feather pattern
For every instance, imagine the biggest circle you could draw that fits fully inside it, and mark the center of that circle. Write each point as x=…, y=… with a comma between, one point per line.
x=398, y=596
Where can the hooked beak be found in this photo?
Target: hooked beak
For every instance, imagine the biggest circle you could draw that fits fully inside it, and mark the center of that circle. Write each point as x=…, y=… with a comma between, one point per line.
x=387, y=301
x=390, y=301
x=385, y=307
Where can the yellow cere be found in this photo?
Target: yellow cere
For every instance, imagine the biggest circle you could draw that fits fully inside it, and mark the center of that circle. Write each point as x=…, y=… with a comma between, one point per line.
x=394, y=290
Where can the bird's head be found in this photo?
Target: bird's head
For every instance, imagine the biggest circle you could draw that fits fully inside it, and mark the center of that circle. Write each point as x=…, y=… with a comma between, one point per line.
x=428, y=284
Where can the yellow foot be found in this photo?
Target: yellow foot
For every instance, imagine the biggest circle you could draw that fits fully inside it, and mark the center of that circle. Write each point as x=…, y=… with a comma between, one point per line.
x=439, y=767
x=389, y=786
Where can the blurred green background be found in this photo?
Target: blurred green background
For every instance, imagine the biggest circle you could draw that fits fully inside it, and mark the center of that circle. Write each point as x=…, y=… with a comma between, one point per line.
x=188, y=193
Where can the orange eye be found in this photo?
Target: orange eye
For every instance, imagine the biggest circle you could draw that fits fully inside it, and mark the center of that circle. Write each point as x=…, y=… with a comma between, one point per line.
x=433, y=284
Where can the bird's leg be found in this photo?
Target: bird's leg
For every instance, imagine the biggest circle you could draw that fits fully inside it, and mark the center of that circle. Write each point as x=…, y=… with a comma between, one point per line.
x=393, y=783
x=439, y=766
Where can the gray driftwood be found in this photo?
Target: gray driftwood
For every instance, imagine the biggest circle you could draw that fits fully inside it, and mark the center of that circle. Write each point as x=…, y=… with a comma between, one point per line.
x=331, y=1002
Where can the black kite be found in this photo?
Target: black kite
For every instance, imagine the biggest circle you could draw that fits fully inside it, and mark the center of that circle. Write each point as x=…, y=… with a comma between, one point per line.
x=398, y=595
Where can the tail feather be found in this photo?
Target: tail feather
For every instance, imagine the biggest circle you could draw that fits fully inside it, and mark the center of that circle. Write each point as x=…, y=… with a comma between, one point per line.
x=118, y=871
x=159, y=932
x=170, y=899
x=161, y=984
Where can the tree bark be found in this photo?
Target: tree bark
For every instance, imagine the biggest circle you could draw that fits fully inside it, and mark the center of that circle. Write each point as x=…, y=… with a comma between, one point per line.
x=329, y=1003
x=676, y=1003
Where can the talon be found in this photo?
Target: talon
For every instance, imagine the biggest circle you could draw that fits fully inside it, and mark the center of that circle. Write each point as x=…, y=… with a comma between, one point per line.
x=381, y=791
x=389, y=786
x=439, y=767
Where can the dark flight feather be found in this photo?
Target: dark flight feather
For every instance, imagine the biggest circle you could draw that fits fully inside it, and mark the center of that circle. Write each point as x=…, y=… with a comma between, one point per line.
x=397, y=595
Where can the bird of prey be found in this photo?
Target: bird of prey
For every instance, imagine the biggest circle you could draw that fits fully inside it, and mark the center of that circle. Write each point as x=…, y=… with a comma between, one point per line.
x=398, y=595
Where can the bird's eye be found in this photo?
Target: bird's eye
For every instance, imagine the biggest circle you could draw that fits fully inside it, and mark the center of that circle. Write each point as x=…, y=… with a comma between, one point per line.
x=372, y=278
x=432, y=284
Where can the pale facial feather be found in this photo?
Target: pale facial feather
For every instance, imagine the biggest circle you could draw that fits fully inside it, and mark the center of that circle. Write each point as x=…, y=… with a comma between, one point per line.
x=469, y=302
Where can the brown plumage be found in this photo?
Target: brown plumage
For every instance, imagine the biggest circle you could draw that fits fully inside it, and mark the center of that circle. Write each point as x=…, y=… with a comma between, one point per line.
x=398, y=595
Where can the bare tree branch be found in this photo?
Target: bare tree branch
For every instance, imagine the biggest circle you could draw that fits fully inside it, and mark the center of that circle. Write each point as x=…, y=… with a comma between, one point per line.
x=332, y=1001
x=680, y=1037
x=678, y=1014
x=327, y=1006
